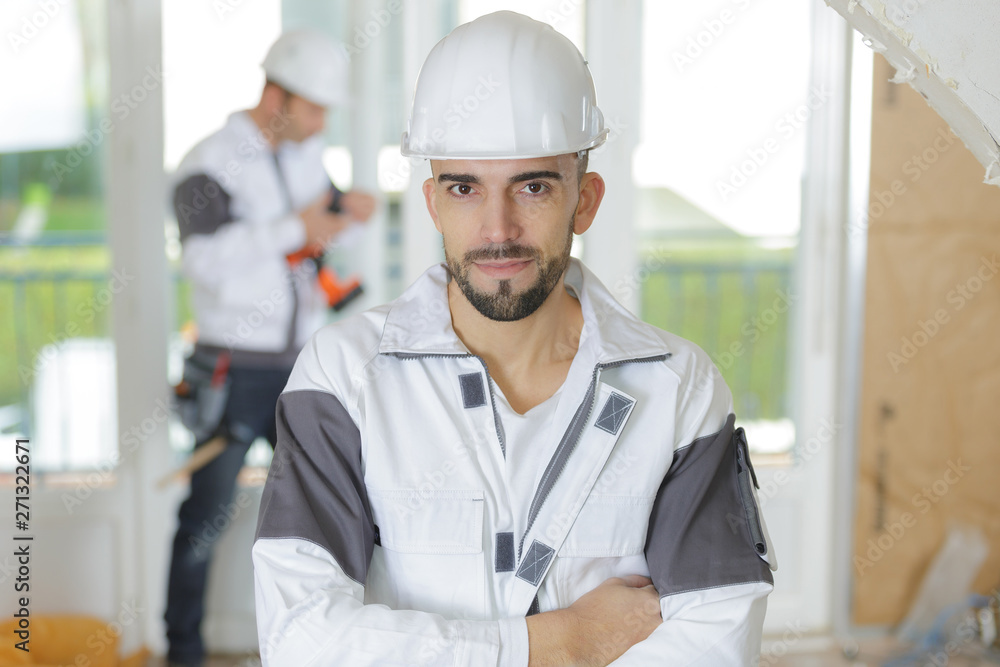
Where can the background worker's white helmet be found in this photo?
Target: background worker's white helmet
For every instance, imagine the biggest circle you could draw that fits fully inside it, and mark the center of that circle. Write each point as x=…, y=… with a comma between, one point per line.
x=503, y=86
x=309, y=65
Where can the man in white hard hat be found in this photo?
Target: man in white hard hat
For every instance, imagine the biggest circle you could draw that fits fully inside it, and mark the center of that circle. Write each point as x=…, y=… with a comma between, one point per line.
x=504, y=466
x=252, y=200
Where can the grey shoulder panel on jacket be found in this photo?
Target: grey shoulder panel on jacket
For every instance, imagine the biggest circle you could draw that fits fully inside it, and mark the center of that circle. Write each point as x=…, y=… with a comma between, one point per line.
x=704, y=528
x=315, y=488
x=201, y=205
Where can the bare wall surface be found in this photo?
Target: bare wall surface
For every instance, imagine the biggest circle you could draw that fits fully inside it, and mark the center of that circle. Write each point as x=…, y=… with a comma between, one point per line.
x=947, y=50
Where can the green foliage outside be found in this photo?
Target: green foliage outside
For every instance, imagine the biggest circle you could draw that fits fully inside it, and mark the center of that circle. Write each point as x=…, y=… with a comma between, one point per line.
x=728, y=300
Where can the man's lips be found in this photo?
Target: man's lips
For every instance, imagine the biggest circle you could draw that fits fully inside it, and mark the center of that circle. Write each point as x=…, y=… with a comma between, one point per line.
x=501, y=269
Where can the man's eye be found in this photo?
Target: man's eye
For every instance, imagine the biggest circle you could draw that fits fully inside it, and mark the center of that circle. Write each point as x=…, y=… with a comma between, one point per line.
x=535, y=188
x=462, y=189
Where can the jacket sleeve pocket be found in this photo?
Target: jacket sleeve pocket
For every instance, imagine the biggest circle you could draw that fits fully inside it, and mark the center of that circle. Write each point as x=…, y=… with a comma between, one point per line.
x=746, y=477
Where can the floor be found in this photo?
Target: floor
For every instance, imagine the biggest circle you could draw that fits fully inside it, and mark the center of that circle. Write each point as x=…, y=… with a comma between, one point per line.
x=216, y=661
x=817, y=652
x=826, y=652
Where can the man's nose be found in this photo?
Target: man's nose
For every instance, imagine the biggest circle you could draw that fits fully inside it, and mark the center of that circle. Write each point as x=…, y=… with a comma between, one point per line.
x=499, y=223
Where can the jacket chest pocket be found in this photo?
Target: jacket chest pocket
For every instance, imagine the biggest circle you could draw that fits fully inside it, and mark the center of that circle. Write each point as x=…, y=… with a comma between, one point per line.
x=429, y=551
x=609, y=526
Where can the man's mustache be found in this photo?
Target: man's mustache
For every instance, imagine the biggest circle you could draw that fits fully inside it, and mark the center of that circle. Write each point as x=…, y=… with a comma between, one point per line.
x=501, y=251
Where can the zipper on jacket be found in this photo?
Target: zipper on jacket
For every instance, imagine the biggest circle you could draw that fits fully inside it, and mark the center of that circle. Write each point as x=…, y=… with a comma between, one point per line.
x=493, y=404
x=551, y=472
x=544, y=486
x=489, y=385
x=746, y=476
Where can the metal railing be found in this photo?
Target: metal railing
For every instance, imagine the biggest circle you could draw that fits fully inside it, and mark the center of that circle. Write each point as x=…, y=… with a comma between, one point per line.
x=739, y=314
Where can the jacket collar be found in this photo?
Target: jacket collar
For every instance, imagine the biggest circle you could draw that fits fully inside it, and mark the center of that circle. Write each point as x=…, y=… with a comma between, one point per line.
x=419, y=321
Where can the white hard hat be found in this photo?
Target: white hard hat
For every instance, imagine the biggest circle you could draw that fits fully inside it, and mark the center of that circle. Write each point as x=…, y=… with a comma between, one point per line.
x=503, y=87
x=308, y=64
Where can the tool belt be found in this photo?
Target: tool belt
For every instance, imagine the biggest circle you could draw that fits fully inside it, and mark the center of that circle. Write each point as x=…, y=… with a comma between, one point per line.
x=200, y=397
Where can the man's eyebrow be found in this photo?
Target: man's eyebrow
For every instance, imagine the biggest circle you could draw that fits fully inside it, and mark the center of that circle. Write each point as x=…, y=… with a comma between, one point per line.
x=458, y=178
x=516, y=178
x=533, y=175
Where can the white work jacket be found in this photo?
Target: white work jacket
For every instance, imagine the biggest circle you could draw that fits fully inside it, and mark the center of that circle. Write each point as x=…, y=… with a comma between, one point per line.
x=235, y=200
x=385, y=533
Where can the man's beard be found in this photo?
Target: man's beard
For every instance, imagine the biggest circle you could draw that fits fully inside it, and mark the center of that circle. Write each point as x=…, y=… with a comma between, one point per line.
x=504, y=305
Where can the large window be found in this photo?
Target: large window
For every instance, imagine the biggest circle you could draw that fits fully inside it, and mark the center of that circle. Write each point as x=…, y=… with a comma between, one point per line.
x=213, y=53
x=726, y=102
x=57, y=284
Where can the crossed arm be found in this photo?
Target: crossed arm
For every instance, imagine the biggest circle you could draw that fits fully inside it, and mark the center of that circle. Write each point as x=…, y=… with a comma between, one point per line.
x=309, y=613
x=597, y=628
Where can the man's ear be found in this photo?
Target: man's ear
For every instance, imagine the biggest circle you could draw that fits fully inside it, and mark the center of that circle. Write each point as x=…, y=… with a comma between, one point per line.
x=430, y=198
x=591, y=194
x=273, y=97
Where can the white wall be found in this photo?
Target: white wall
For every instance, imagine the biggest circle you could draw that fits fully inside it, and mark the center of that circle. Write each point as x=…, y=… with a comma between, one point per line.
x=948, y=51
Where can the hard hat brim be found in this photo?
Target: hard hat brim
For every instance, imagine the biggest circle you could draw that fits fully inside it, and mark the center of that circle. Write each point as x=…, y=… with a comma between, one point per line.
x=406, y=151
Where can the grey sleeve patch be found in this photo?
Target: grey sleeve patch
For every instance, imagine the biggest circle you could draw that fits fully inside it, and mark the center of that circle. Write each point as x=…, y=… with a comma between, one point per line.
x=504, y=554
x=315, y=489
x=693, y=541
x=536, y=559
x=201, y=206
x=613, y=413
x=473, y=391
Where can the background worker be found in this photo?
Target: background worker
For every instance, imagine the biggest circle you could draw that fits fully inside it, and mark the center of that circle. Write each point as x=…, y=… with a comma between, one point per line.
x=247, y=199
x=504, y=466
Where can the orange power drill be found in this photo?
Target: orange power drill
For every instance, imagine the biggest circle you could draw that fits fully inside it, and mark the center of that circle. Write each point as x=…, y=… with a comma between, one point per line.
x=338, y=292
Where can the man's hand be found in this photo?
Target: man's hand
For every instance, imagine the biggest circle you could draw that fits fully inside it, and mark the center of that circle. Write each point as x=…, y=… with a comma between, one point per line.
x=357, y=205
x=598, y=628
x=321, y=225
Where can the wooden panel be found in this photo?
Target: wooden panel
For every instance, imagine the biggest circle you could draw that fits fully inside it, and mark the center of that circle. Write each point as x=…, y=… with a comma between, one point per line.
x=913, y=151
x=930, y=419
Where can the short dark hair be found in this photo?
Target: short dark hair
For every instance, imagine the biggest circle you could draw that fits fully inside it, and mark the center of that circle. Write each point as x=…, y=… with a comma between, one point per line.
x=582, y=158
